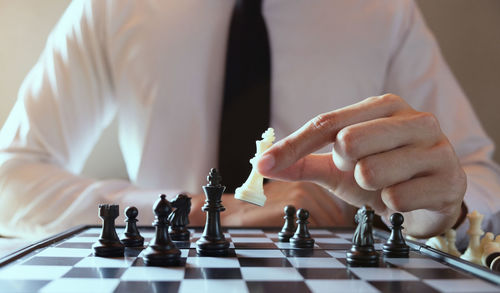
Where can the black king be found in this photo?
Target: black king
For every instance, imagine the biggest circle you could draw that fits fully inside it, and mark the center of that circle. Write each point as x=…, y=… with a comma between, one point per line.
x=213, y=242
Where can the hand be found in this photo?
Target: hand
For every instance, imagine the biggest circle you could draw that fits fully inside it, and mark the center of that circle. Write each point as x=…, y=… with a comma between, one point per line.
x=385, y=154
x=322, y=208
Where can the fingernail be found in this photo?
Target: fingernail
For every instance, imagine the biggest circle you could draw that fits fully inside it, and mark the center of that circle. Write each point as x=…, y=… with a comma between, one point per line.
x=266, y=162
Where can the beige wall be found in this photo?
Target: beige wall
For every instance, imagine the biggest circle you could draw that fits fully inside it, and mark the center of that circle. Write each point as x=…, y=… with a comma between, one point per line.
x=467, y=30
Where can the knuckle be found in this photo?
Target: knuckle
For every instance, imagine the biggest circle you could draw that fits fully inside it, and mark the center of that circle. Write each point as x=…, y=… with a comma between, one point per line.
x=429, y=121
x=366, y=175
x=390, y=98
x=347, y=141
x=392, y=199
x=324, y=122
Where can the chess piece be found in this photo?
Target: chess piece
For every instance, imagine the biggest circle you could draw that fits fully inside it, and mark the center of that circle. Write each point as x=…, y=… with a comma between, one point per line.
x=302, y=238
x=438, y=242
x=179, y=218
x=451, y=238
x=473, y=253
x=109, y=244
x=362, y=252
x=131, y=237
x=213, y=242
x=162, y=250
x=491, y=249
x=252, y=190
x=396, y=245
x=289, y=227
x=495, y=264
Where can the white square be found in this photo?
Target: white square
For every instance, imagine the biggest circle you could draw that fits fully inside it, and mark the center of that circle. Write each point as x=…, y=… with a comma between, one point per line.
x=345, y=235
x=320, y=232
x=383, y=274
x=199, y=286
x=416, y=263
x=82, y=239
x=81, y=285
x=153, y=274
x=92, y=231
x=315, y=262
x=465, y=285
x=20, y=272
x=340, y=286
x=287, y=245
x=272, y=235
x=260, y=253
x=212, y=262
x=270, y=274
x=65, y=252
x=105, y=262
x=336, y=253
x=245, y=231
x=251, y=240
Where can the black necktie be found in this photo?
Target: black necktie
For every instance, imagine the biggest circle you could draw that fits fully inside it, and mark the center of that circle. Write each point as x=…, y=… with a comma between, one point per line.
x=246, y=105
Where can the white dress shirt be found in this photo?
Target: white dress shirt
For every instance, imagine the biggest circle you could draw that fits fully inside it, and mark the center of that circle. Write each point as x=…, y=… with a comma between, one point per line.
x=158, y=66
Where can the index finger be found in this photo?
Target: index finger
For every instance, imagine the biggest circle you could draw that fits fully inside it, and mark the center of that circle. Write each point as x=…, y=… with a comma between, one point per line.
x=323, y=130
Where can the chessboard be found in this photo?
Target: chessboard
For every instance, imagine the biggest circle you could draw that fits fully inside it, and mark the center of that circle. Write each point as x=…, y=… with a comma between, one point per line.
x=257, y=262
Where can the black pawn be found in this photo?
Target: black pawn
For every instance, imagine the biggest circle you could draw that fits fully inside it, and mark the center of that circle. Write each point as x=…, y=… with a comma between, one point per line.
x=109, y=244
x=396, y=245
x=362, y=252
x=289, y=227
x=302, y=238
x=162, y=250
x=179, y=218
x=131, y=237
x=213, y=242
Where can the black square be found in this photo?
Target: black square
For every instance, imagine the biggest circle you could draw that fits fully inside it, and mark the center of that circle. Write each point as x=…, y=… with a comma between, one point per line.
x=113, y=273
x=305, y=253
x=139, y=262
x=182, y=244
x=22, y=285
x=444, y=273
x=146, y=287
x=76, y=245
x=133, y=251
x=327, y=273
x=273, y=287
x=192, y=253
x=264, y=262
x=255, y=245
x=334, y=246
x=402, y=286
x=52, y=261
x=89, y=234
x=212, y=273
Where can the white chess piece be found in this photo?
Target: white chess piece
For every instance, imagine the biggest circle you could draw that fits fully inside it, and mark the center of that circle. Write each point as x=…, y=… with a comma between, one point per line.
x=473, y=252
x=438, y=242
x=491, y=248
x=253, y=189
x=451, y=238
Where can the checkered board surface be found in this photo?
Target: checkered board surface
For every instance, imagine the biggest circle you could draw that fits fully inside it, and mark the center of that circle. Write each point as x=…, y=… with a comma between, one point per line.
x=258, y=262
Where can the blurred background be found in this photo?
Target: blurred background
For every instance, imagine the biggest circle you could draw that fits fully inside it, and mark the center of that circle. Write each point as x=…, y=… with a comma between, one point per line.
x=467, y=31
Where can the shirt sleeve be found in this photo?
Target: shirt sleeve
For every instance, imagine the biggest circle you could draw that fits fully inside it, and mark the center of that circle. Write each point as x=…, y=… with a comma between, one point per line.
x=63, y=106
x=428, y=85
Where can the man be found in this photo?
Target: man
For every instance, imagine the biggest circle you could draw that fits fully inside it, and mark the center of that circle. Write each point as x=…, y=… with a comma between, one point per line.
x=158, y=66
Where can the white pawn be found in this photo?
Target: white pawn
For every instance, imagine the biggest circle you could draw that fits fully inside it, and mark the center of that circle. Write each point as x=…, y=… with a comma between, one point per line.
x=490, y=247
x=253, y=189
x=451, y=238
x=438, y=242
x=473, y=252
